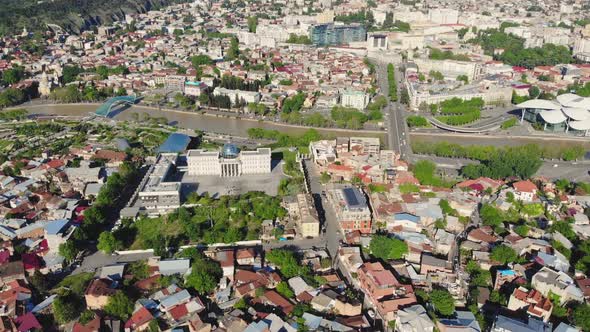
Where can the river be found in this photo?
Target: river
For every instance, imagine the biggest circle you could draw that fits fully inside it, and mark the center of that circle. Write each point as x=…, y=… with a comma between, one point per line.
x=238, y=127
x=211, y=123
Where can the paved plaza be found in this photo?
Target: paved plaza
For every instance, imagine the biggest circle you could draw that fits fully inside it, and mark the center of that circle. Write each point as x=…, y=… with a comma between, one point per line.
x=219, y=186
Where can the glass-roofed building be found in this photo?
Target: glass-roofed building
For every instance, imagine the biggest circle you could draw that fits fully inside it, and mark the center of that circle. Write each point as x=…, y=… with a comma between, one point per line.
x=568, y=113
x=229, y=161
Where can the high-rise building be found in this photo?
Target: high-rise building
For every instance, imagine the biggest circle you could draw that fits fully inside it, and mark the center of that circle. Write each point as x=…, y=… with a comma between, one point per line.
x=332, y=34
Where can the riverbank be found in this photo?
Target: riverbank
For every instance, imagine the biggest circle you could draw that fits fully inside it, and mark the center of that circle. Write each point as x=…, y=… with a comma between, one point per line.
x=219, y=123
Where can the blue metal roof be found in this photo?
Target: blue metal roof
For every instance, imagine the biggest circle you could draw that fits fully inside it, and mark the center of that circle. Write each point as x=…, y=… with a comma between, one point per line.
x=54, y=227
x=406, y=216
x=175, y=143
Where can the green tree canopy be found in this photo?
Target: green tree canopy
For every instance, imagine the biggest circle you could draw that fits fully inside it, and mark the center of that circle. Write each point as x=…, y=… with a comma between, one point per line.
x=205, y=274
x=503, y=254
x=385, y=247
x=119, y=305
x=442, y=301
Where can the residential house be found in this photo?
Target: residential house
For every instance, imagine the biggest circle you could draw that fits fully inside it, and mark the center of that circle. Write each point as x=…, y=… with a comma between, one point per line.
x=557, y=282
x=503, y=323
x=533, y=301
x=385, y=292
x=413, y=319
x=170, y=267
x=463, y=321
x=525, y=190
x=139, y=321
x=98, y=293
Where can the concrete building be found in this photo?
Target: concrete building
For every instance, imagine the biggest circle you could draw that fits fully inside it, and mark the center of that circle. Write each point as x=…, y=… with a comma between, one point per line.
x=355, y=99
x=452, y=68
x=194, y=88
x=443, y=16
x=230, y=161
x=365, y=145
x=156, y=192
x=308, y=222
x=337, y=34
x=246, y=96
x=352, y=210
x=548, y=281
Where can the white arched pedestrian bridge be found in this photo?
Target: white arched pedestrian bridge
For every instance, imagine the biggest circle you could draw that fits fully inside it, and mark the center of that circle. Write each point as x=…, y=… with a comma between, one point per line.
x=105, y=109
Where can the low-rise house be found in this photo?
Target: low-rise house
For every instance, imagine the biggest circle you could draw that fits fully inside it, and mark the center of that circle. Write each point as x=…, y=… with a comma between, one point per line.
x=463, y=321
x=433, y=264
x=173, y=300
x=170, y=267
x=443, y=241
x=559, y=283
x=139, y=321
x=11, y=271
x=413, y=319
x=503, y=324
x=385, y=292
x=556, y=260
x=98, y=293
x=533, y=301
x=525, y=190
x=404, y=221
x=273, y=298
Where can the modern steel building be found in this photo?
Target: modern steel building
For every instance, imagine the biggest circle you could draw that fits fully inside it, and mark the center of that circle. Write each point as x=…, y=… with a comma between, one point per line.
x=230, y=161
x=568, y=113
x=334, y=34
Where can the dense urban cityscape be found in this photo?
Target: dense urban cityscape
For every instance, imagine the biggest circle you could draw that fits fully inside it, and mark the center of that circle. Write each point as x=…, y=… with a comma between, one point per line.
x=286, y=166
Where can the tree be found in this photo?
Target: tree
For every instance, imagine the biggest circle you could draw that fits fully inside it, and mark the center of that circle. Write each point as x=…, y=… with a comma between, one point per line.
x=205, y=275
x=581, y=316
x=385, y=247
x=119, y=305
x=325, y=178
x=107, y=242
x=234, y=49
x=201, y=59
x=284, y=289
x=443, y=302
x=252, y=23
x=490, y=215
x=11, y=97
x=66, y=308
x=13, y=75
x=68, y=250
x=503, y=254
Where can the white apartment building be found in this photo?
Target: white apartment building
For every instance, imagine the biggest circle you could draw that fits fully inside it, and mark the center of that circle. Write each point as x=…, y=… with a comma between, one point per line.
x=443, y=16
x=355, y=99
x=247, y=96
x=451, y=68
x=157, y=194
x=230, y=161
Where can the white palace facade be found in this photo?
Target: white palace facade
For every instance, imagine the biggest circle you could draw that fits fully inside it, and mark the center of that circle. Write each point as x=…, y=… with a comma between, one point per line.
x=230, y=161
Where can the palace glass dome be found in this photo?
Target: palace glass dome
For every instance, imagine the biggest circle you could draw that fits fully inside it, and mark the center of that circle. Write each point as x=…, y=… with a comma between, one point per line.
x=230, y=151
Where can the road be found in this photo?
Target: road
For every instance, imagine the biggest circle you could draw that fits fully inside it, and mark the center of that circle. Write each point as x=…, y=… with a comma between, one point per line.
x=333, y=234
x=396, y=131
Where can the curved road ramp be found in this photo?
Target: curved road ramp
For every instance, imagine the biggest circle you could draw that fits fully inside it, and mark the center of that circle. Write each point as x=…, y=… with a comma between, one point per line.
x=495, y=125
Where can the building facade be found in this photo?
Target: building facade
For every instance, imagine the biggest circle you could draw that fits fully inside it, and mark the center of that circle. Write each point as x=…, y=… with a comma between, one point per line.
x=230, y=161
x=352, y=209
x=332, y=34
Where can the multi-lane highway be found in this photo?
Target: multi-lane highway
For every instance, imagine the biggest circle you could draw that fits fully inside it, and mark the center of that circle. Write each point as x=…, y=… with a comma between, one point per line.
x=396, y=128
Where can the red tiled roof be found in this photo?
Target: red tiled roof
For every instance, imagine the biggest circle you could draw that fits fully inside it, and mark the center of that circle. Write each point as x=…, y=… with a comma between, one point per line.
x=91, y=326
x=178, y=312
x=139, y=318
x=525, y=186
x=27, y=322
